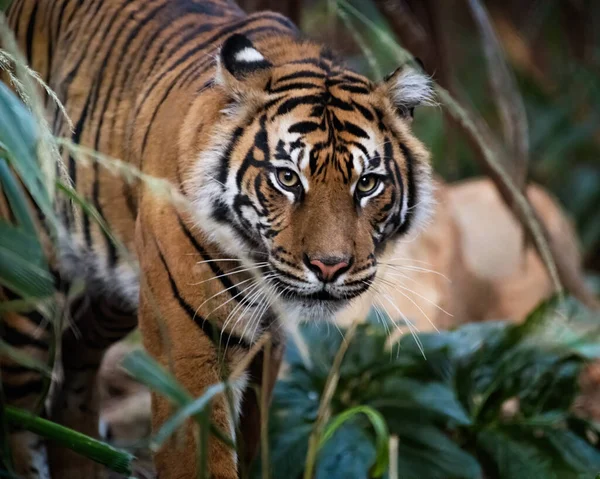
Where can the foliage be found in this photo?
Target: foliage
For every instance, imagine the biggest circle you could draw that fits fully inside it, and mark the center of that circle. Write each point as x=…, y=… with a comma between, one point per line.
x=114, y=459
x=491, y=397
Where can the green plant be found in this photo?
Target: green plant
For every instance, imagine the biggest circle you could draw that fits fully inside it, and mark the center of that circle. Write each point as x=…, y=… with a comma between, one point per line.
x=490, y=398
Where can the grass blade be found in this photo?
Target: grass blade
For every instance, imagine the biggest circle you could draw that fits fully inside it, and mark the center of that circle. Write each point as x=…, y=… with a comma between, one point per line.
x=195, y=408
x=150, y=373
x=506, y=95
x=115, y=459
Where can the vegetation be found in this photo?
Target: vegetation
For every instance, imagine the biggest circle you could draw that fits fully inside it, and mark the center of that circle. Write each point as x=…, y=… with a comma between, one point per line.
x=490, y=398
x=486, y=400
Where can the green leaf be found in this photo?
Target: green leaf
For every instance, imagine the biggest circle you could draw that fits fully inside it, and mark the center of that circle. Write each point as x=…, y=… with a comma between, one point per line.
x=433, y=397
x=574, y=451
x=424, y=444
x=21, y=243
x=18, y=137
x=4, y=4
x=116, y=460
x=24, y=277
x=23, y=358
x=348, y=455
x=200, y=406
x=17, y=200
x=514, y=458
x=381, y=435
x=150, y=373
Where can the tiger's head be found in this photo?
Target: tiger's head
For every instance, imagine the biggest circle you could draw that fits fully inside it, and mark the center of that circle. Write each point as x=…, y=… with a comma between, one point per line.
x=313, y=169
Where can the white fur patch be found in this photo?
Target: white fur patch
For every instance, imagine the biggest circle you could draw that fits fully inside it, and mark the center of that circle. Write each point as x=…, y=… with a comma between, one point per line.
x=413, y=88
x=248, y=55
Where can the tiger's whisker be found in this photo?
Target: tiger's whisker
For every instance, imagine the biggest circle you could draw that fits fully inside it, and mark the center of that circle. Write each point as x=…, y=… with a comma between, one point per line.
x=417, y=268
x=229, y=273
x=418, y=307
x=413, y=329
x=435, y=305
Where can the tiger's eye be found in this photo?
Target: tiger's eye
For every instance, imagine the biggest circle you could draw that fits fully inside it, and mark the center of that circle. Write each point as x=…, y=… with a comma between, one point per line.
x=287, y=178
x=367, y=184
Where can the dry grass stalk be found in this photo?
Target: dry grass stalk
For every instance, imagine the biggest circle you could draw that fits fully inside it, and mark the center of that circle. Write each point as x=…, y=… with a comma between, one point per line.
x=325, y=403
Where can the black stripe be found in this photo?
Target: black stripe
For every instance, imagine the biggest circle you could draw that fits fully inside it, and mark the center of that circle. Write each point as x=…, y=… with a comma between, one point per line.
x=354, y=89
x=142, y=55
x=192, y=69
x=214, y=39
x=224, y=280
x=295, y=86
x=14, y=337
x=213, y=333
x=364, y=111
x=30, y=32
x=17, y=391
x=411, y=191
x=355, y=130
x=301, y=74
x=17, y=11
x=288, y=105
x=303, y=127
x=15, y=368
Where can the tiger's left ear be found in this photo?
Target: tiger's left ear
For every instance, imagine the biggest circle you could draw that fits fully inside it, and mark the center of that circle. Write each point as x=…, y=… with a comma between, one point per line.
x=240, y=64
x=408, y=88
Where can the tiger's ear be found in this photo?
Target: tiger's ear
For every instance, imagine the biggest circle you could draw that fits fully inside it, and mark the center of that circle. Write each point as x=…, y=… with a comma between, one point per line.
x=409, y=88
x=240, y=63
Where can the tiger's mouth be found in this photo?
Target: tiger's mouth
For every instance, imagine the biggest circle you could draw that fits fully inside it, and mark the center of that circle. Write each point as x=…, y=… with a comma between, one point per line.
x=332, y=295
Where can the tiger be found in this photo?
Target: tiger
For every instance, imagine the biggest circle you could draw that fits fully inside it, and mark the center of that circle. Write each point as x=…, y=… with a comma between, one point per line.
x=297, y=173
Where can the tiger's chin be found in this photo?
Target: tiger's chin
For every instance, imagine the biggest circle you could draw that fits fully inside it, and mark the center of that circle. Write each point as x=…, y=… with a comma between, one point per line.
x=299, y=309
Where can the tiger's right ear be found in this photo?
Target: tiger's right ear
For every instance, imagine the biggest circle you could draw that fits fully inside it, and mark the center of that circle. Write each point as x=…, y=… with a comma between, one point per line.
x=240, y=64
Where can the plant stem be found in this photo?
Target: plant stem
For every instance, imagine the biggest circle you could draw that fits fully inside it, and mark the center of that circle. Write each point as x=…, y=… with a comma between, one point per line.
x=115, y=459
x=323, y=413
x=264, y=413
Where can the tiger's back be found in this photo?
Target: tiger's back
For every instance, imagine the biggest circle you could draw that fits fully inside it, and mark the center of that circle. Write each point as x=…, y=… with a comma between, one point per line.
x=114, y=64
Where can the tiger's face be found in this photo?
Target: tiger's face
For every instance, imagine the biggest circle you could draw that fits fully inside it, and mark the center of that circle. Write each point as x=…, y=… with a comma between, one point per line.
x=314, y=173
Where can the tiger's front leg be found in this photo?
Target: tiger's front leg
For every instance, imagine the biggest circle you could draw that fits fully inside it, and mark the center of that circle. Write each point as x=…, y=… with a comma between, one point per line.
x=178, y=334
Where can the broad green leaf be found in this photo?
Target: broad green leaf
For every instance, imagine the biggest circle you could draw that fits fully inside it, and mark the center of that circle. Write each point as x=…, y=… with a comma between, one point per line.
x=348, y=455
x=433, y=397
x=18, y=137
x=23, y=244
x=381, y=434
x=288, y=449
x=574, y=451
x=17, y=200
x=24, y=277
x=514, y=458
x=4, y=4
x=430, y=443
x=418, y=462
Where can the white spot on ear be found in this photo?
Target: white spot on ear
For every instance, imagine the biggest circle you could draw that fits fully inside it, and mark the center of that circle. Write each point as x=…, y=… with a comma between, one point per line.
x=249, y=55
x=412, y=88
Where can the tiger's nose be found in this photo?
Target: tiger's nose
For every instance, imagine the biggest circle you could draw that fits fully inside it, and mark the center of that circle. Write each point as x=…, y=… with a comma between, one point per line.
x=327, y=268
